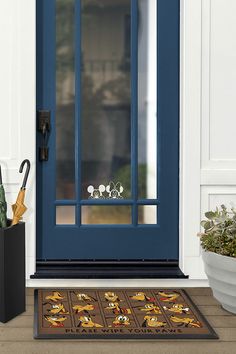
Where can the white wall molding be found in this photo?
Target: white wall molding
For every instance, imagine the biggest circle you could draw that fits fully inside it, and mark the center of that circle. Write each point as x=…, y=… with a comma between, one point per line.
x=190, y=137
x=26, y=93
x=218, y=177
x=212, y=196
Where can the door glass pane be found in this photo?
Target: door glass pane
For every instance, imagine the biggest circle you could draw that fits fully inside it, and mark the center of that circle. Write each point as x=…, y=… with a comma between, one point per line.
x=147, y=94
x=65, y=215
x=105, y=86
x=65, y=99
x=147, y=214
x=106, y=214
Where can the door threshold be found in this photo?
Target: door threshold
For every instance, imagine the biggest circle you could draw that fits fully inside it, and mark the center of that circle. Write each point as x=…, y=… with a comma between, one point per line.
x=108, y=270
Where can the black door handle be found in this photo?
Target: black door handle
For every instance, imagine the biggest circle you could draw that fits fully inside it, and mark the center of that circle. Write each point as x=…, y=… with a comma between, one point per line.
x=44, y=127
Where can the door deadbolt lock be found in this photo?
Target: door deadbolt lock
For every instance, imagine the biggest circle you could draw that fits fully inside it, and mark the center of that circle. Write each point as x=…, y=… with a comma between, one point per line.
x=44, y=127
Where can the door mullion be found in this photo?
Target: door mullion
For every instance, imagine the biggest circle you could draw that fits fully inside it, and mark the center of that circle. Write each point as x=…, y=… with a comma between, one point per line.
x=134, y=110
x=78, y=108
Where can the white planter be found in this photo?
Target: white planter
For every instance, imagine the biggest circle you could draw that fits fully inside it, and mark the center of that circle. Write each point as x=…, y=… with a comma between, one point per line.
x=221, y=273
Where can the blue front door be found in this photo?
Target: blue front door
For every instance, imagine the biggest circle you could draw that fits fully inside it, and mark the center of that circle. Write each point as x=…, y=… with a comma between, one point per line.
x=108, y=72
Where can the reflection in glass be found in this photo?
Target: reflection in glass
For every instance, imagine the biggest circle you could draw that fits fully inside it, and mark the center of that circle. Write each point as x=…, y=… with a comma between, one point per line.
x=105, y=214
x=105, y=85
x=147, y=214
x=147, y=93
x=65, y=93
x=65, y=215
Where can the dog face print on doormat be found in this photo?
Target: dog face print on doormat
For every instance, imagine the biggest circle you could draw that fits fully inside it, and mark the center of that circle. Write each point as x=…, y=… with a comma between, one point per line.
x=118, y=313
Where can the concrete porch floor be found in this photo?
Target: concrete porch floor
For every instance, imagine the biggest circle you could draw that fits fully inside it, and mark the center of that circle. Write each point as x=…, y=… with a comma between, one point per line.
x=17, y=335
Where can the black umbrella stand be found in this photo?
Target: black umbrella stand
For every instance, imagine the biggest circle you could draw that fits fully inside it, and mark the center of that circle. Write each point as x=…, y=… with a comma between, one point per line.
x=12, y=271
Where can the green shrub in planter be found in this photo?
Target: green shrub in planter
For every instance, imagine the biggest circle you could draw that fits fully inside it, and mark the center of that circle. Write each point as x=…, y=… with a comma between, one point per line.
x=219, y=254
x=219, y=234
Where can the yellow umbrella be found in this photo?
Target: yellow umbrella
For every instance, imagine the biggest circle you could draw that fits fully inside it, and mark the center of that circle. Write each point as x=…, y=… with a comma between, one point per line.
x=19, y=208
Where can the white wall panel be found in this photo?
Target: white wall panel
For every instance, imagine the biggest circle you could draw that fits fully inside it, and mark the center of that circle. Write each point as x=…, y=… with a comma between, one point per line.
x=17, y=119
x=218, y=78
x=213, y=196
x=218, y=123
x=9, y=142
x=222, y=82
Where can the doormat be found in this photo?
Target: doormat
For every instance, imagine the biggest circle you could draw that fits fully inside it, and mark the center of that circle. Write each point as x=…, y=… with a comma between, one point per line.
x=118, y=313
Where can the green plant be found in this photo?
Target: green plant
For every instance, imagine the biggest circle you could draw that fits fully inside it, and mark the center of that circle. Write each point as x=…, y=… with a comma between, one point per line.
x=219, y=234
x=123, y=175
